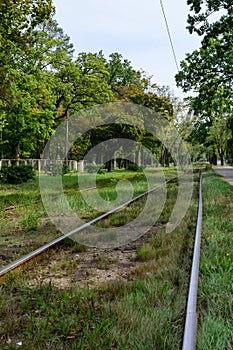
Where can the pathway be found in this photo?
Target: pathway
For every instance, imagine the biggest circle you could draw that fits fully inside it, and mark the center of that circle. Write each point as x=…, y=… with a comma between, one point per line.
x=226, y=172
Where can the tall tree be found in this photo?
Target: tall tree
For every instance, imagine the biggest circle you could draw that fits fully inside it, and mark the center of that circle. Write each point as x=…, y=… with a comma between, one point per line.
x=208, y=70
x=17, y=22
x=29, y=102
x=121, y=74
x=81, y=83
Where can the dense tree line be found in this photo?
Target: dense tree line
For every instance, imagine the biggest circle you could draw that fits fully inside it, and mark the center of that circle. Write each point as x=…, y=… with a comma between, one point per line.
x=208, y=72
x=44, y=82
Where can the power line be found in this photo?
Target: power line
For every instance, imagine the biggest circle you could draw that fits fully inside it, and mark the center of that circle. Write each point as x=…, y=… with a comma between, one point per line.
x=169, y=35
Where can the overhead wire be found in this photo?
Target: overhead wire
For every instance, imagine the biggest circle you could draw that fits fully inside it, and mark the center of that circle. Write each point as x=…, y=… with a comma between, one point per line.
x=169, y=35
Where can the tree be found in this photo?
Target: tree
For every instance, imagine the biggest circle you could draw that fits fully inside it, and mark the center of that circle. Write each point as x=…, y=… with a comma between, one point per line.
x=81, y=83
x=208, y=71
x=121, y=74
x=211, y=65
x=219, y=136
x=17, y=22
x=29, y=102
x=30, y=116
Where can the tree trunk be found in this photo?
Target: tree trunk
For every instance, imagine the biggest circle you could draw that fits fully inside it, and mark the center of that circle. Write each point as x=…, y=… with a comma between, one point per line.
x=165, y=157
x=109, y=165
x=138, y=155
x=213, y=159
x=222, y=159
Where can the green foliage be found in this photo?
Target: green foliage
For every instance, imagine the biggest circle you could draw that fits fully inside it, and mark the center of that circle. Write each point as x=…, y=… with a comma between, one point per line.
x=121, y=73
x=208, y=70
x=81, y=83
x=91, y=168
x=31, y=117
x=201, y=22
x=28, y=99
x=18, y=19
x=65, y=169
x=42, y=83
x=133, y=167
x=210, y=66
x=16, y=174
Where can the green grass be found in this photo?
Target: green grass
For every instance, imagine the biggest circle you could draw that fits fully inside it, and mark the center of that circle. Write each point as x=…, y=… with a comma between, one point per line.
x=24, y=222
x=146, y=312
x=215, y=298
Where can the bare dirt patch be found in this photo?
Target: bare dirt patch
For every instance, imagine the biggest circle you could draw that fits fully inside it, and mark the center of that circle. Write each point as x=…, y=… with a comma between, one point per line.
x=65, y=268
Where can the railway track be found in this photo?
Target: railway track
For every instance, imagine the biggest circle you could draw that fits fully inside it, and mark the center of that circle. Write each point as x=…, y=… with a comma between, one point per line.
x=20, y=221
x=36, y=255
x=189, y=341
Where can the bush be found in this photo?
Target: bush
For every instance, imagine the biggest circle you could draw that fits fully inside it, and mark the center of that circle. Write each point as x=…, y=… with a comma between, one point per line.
x=65, y=169
x=133, y=167
x=16, y=174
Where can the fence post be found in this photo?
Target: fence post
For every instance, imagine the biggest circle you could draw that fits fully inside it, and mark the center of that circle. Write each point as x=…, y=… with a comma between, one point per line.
x=81, y=166
x=75, y=163
x=39, y=165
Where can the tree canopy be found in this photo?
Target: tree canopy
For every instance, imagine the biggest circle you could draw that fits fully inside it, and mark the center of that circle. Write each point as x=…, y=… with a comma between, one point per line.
x=207, y=71
x=44, y=80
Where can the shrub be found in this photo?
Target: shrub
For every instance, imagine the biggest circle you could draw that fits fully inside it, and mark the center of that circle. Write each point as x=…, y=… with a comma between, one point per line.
x=16, y=174
x=65, y=169
x=133, y=167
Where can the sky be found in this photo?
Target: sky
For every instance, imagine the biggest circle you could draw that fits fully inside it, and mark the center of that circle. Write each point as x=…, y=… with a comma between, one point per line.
x=136, y=29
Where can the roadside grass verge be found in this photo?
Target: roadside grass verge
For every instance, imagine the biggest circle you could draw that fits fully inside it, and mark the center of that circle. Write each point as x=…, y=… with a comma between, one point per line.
x=146, y=312
x=215, y=295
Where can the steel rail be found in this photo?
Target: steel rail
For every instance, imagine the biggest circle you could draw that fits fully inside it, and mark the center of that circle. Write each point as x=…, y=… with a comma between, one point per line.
x=26, y=258
x=190, y=332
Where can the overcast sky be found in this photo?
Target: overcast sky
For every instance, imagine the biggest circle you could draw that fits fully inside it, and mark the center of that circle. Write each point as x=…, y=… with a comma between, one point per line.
x=134, y=28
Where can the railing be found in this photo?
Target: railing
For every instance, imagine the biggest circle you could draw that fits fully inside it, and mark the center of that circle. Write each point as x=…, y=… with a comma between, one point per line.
x=42, y=164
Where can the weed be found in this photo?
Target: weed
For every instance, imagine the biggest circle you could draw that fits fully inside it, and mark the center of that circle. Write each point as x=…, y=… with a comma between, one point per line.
x=30, y=221
x=146, y=252
x=104, y=260
x=79, y=248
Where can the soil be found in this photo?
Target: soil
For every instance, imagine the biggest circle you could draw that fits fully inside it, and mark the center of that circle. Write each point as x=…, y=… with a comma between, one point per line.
x=65, y=268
